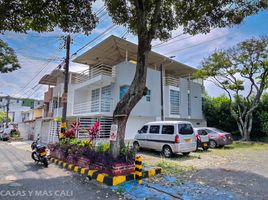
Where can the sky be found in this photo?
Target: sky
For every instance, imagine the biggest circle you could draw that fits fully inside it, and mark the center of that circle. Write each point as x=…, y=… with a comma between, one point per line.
x=39, y=54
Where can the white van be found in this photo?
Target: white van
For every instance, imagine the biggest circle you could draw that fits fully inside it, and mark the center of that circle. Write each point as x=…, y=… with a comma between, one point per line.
x=167, y=136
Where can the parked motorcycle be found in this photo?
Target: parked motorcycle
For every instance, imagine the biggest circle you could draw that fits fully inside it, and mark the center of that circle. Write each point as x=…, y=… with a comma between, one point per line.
x=39, y=152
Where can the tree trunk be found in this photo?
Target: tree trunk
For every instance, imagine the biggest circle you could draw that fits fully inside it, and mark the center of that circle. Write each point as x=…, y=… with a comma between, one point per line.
x=135, y=92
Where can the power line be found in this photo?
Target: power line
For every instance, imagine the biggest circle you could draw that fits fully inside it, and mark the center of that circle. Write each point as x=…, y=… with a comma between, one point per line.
x=102, y=34
x=168, y=43
x=168, y=40
x=200, y=43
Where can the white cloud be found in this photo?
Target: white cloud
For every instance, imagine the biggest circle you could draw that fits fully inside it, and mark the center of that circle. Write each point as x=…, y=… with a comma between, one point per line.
x=22, y=82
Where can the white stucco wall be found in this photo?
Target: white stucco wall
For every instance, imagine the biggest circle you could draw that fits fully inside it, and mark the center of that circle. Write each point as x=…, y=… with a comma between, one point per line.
x=134, y=124
x=125, y=72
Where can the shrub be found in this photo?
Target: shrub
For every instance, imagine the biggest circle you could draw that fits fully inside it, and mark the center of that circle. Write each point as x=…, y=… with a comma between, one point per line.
x=69, y=134
x=103, y=147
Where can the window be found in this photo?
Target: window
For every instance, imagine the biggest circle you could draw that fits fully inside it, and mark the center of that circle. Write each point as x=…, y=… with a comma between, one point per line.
x=123, y=90
x=189, y=104
x=106, y=98
x=95, y=95
x=168, y=129
x=174, y=102
x=148, y=95
x=210, y=131
x=202, y=132
x=144, y=129
x=185, y=129
x=154, y=129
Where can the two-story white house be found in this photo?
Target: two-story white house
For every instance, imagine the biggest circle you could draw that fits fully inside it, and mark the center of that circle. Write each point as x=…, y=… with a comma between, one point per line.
x=94, y=93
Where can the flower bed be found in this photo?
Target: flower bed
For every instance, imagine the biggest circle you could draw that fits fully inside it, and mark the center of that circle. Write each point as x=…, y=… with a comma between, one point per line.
x=83, y=154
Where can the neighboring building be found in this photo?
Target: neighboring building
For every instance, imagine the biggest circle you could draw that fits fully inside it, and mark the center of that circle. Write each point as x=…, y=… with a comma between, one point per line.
x=17, y=106
x=94, y=93
x=31, y=123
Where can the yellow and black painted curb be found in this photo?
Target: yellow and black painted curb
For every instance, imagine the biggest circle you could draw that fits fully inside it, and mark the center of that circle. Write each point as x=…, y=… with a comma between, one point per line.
x=105, y=178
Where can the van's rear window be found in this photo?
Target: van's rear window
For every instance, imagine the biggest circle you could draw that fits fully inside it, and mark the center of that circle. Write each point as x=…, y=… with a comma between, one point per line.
x=185, y=129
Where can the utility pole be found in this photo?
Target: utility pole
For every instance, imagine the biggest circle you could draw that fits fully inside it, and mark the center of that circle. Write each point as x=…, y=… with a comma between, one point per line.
x=8, y=102
x=161, y=92
x=65, y=90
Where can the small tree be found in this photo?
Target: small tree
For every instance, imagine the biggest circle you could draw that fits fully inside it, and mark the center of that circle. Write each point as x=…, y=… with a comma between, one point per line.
x=37, y=15
x=232, y=69
x=3, y=117
x=155, y=19
x=8, y=59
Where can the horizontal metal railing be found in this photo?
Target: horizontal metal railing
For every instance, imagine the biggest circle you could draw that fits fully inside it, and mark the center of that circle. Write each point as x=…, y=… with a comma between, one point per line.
x=94, y=71
x=87, y=107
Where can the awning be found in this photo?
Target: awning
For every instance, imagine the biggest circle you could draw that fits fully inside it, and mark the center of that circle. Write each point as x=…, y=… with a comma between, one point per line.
x=51, y=79
x=114, y=50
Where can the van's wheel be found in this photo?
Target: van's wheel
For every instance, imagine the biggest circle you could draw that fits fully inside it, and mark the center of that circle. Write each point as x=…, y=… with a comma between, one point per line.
x=212, y=144
x=186, y=153
x=136, y=146
x=167, y=151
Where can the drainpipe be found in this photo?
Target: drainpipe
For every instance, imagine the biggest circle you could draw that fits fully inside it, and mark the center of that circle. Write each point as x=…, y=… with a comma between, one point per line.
x=161, y=92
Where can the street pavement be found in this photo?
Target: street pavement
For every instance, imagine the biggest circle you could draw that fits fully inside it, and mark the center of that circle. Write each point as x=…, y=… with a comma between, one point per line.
x=22, y=178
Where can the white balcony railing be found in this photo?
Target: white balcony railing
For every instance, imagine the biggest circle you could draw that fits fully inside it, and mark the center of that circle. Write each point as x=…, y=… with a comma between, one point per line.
x=57, y=112
x=98, y=106
x=172, y=80
x=92, y=72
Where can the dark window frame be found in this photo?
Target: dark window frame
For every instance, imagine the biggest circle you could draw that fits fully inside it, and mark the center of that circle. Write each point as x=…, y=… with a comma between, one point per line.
x=162, y=132
x=154, y=126
x=146, y=129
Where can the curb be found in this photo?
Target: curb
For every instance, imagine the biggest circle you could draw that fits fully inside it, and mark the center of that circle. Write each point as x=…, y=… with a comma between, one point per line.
x=102, y=177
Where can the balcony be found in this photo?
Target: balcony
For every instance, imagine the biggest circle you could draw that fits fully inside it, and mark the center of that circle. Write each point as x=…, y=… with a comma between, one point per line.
x=172, y=80
x=100, y=73
x=89, y=108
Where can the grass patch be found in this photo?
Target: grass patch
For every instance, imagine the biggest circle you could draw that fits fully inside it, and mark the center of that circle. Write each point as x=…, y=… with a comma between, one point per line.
x=174, y=169
x=239, y=147
x=247, y=145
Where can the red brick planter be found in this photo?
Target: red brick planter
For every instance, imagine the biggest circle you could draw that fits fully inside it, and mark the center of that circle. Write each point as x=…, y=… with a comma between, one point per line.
x=120, y=169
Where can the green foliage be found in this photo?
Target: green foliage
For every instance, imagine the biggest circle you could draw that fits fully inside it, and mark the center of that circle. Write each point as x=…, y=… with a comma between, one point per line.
x=232, y=69
x=161, y=17
x=174, y=169
x=36, y=15
x=103, y=147
x=127, y=152
x=20, y=16
x=15, y=133
x=217, y=113
x=76, y=141
x=8, y=58
x=3, y=117
x=261, y=118
x=57, y=119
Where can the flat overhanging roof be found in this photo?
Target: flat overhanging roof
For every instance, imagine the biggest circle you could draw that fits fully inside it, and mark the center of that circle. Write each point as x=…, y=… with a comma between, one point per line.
x=114, y=50
x=51, y=79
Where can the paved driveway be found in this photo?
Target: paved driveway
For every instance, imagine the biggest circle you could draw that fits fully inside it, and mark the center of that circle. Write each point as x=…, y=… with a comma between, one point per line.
x=21, y=178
